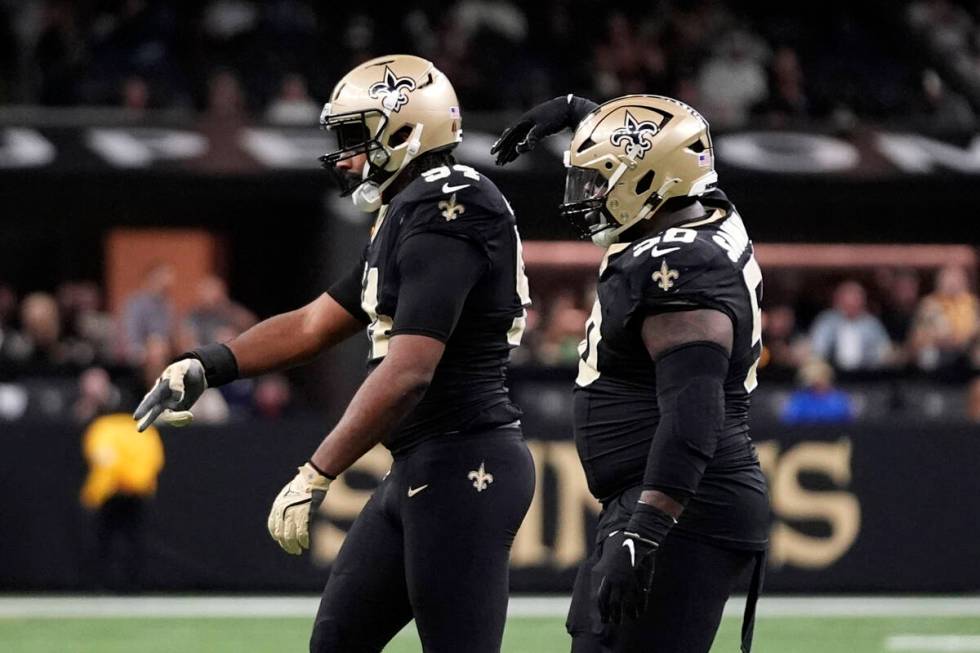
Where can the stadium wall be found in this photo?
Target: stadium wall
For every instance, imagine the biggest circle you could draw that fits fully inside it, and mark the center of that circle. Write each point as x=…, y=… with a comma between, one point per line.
x=849, y=511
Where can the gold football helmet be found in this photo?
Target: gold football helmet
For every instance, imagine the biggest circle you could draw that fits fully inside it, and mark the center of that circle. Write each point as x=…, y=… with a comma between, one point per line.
x=628, y=157
x=392, y=109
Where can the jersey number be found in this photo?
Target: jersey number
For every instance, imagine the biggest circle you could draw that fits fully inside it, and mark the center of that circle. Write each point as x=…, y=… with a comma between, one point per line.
x=435, y=174
x=675, y=235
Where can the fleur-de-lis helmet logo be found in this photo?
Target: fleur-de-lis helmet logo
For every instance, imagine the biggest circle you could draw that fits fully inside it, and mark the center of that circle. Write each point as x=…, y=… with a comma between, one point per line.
x=635, y=136
x=392, y=90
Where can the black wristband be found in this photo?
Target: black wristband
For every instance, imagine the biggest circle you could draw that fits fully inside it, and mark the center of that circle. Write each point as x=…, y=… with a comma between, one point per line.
x=320, y=471
x=220, y=366
x=650, y=522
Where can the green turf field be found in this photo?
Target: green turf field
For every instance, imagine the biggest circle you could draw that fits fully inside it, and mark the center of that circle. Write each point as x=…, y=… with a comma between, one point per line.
x=524, y=635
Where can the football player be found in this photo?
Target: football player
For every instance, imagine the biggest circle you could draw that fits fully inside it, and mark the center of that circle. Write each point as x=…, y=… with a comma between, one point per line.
x=667, y=366
x=441, y=291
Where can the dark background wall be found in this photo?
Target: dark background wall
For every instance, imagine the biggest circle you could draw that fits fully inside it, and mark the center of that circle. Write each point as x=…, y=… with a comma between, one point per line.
x=874, y=506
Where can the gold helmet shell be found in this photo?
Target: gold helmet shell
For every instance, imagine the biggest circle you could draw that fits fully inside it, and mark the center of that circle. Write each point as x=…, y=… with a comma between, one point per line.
x=393, y=109
x=628, y=157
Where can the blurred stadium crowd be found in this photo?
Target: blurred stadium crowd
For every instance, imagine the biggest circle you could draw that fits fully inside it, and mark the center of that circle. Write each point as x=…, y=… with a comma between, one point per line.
x=276, y=60
x=896, y=323
x=92, y=362
x=273, y=59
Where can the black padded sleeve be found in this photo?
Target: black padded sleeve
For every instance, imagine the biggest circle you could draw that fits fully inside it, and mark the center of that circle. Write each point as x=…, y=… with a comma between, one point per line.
x=437, y=272
x=691, y=398
x=346, y=291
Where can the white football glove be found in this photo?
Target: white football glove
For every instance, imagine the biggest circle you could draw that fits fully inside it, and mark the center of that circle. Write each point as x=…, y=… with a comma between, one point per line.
x=293, y=509
x=175, y=392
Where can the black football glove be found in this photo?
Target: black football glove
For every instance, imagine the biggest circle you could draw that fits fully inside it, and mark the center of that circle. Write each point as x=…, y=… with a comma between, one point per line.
x=540, y=122
x=626, y=576
x=626, y=568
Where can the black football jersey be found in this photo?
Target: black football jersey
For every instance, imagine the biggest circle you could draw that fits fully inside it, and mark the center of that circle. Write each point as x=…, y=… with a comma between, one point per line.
x=468, y=391
x=706, y=263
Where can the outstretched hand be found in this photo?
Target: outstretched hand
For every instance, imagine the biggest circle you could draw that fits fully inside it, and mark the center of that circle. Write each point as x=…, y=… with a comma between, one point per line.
x=540, y=122
x=173, y=395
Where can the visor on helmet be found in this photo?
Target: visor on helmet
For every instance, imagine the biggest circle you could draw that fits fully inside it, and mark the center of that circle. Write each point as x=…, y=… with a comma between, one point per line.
x=585, y=198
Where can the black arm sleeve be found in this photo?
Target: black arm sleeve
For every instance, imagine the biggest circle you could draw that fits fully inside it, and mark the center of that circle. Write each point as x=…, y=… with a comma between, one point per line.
x=578, y=109
x=437, y=272
x=347, y=291
x=691, y=397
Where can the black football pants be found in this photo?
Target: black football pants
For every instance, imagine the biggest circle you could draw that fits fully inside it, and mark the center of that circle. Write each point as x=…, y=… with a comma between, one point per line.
x=433, y=544
x=691, y=585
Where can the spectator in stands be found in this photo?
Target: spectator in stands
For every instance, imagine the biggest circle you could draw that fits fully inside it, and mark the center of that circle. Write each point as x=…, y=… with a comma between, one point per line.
x=88, y=331
x=9, y=338
x=135, y=95
x=901, y=299
x=59, y=54
x=973, y=401
x=96, y=395
x=149, y=313
x=293, y=105
x=224, y=118
x=733, y=80
x=41, y=349
x=947, y=321
x=948, y=24
x=787, y=96
x=8, y=305
x=847, y=335
x=563, y=331
x=627, y=61
x=215, y=311
x=817, y=401
x=226, y=99
x=782, y=343
x=157, y=352
x=942, y=110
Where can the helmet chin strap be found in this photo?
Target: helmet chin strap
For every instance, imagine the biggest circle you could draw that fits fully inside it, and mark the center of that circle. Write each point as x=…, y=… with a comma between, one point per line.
x=367, y=196
x=608, y=237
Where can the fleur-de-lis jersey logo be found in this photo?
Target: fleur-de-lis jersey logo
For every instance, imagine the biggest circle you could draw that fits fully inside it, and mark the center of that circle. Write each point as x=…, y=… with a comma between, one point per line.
x=665, y=275
x=635, y=136
x=481, y=479
x=450, y=209
x=392, y=90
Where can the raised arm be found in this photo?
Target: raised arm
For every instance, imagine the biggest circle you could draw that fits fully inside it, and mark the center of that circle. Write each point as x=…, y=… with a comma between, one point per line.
x=546, y=119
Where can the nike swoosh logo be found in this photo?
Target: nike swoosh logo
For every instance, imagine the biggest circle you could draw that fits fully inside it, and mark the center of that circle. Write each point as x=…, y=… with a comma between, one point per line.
x=446, y=188
x=412, y=491
x=629, y=545
x=660, y=252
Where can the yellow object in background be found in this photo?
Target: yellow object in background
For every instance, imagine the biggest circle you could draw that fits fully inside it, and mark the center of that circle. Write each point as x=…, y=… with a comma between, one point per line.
x=121, y=460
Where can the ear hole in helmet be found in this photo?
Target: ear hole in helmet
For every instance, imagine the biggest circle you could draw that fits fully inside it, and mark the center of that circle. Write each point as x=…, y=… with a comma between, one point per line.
x=643, y=185
x=697, y=146
x=609, y=165
x=400, y=136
